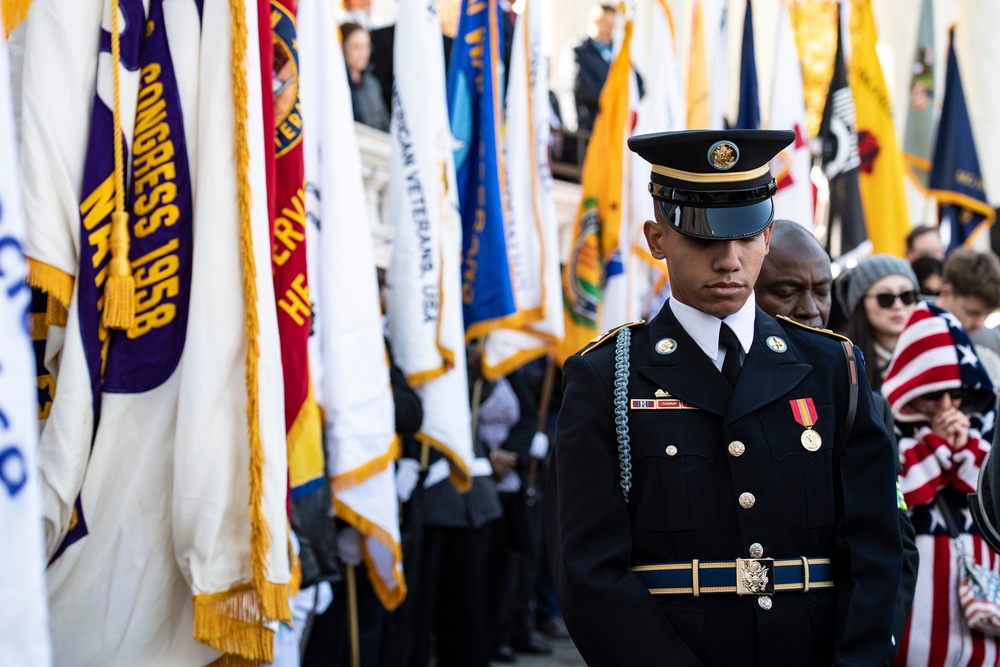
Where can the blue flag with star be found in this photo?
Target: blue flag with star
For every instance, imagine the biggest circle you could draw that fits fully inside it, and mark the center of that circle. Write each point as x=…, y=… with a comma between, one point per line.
x=956, y=181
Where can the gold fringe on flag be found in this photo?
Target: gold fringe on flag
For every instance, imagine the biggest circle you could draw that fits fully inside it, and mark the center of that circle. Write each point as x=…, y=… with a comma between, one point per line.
x=119, y=291
x=230, y=660
x=369, y=469
x=14, y=12
x=57, y=284
x=273, y=597
x=390, y=598
x=230, y=622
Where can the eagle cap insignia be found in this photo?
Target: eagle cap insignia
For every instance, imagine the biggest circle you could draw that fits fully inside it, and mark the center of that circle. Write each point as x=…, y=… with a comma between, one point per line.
x=723, y=155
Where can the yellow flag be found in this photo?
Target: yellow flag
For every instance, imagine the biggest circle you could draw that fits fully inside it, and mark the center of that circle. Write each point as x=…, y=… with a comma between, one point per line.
x=881, y=179
x=595, y=233
x=698, y=103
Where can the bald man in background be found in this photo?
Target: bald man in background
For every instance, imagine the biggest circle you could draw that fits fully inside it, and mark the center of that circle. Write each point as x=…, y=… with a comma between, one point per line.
x=796, y=282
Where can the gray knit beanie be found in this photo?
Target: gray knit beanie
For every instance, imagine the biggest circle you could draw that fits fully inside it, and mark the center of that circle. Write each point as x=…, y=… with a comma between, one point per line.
x=869, y=271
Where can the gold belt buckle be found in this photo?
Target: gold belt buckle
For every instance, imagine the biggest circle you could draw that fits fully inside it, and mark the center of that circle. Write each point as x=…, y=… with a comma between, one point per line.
x=755, y=576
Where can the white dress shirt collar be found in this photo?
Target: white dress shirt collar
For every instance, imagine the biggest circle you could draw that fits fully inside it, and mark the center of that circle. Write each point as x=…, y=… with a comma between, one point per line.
x=704, y=328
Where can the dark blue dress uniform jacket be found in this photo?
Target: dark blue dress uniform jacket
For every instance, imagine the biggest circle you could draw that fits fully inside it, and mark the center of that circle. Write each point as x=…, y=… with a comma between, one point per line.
x=838, y=502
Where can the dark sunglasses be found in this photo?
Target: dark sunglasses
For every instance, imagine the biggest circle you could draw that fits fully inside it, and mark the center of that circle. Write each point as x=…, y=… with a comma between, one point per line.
x=955, y=394
x=886, y=299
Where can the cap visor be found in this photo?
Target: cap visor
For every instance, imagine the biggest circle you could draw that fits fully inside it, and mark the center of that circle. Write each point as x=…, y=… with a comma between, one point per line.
x=718, y=224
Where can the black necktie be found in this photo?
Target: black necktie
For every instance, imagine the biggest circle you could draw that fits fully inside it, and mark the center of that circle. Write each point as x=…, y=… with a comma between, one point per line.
x=731, y=365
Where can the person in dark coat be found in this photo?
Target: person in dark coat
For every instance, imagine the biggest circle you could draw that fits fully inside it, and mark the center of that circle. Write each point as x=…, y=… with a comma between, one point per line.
x=708, y=505
x=796, y=282
x=367, y=101
x=592, y=59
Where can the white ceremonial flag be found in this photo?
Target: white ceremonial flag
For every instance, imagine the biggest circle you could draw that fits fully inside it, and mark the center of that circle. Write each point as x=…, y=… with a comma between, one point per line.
x=532, y=236
x=355, y=396
x=791, y=166
x=24, y=627
x=423, y=279
x=163, y=456
x=662, y=110
x=719, y=86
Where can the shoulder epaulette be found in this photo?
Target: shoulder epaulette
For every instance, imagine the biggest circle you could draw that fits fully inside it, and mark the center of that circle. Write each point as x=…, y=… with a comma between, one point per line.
x=599, y=340
x=824, y=332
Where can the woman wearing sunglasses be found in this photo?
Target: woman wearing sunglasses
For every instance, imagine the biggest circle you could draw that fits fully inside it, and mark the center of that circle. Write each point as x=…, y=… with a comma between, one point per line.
x=878, y=295
x=943, y=404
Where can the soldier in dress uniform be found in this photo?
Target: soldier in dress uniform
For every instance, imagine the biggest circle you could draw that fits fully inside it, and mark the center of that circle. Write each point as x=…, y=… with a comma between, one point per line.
x=724, y=493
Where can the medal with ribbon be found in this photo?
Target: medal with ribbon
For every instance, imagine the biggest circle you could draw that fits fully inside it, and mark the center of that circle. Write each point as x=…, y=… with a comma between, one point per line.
x=804, y=411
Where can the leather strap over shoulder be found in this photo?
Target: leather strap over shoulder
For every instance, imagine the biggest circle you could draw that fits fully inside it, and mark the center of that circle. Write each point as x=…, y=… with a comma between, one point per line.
x=852, y=378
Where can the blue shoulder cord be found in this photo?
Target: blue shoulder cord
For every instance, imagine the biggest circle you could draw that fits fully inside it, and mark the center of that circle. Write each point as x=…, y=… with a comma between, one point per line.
x=621, y=408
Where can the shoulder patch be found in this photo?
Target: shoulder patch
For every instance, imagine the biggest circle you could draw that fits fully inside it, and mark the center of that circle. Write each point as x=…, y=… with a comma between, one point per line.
x=607, y=335
x=823, y=332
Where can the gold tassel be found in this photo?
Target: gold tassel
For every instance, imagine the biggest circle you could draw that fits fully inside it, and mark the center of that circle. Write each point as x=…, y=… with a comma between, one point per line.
x=14, y=12
x=119, y=291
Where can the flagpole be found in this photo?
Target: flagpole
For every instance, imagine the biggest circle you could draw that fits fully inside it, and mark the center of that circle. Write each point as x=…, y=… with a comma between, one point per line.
x=477, y=388
x=544, y=401
x=352, y=616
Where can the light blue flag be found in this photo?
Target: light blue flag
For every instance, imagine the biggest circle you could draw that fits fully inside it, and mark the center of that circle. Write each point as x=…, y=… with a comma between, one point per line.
x=956, y=180
x=475, y=96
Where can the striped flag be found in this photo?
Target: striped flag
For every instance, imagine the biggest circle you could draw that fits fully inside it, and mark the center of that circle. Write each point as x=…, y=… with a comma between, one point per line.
x=596, y=241
x=532, y=238
x=24, y=627
x=956, y=181
x=423, y=278
x=794, y=200
x=881, y=178
x=354, y=393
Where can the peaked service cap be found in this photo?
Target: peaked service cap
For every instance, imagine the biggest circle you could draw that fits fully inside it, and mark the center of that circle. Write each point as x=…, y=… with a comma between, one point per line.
x=713, y=184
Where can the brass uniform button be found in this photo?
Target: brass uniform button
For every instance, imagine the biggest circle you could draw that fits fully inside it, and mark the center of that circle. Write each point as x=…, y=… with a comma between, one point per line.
x=764, y=602
x=671, y=450
x=747, y=500
x=736, y=448
x=756, y=551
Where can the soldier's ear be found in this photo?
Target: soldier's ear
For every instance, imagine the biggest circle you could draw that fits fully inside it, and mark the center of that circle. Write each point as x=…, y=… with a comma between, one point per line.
x=655, y=237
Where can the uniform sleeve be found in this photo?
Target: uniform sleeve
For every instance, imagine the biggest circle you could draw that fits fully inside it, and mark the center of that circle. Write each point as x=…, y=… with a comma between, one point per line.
x=610, y=614
x=868, y=548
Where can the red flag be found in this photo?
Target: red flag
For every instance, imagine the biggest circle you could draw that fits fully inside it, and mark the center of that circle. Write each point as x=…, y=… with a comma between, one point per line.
x=288, y=256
